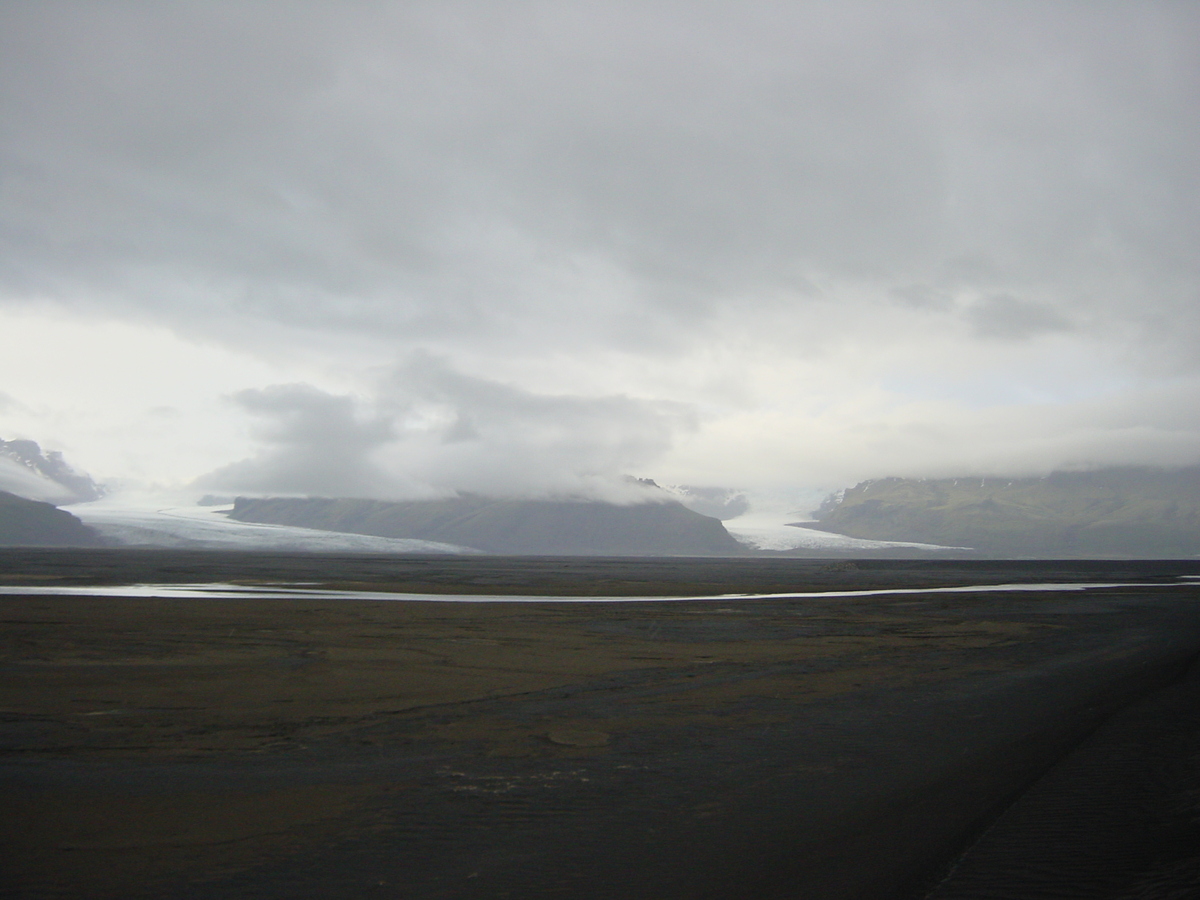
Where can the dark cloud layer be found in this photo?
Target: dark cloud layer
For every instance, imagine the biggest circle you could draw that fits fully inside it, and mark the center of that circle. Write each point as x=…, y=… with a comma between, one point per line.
x=1008, y=317
x=620, y=185
x=433, y=167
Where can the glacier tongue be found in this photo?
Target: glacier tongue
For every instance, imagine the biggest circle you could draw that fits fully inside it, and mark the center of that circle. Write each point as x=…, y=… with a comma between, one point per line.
x=209, y=529
x=764, y=531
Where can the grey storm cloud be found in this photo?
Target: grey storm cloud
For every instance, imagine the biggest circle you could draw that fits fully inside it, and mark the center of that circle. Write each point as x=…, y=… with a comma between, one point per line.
x=431, y=170
x=597, y=230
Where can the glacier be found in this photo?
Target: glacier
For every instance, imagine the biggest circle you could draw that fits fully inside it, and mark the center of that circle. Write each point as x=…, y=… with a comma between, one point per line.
x=138, y=523
x=776, y=531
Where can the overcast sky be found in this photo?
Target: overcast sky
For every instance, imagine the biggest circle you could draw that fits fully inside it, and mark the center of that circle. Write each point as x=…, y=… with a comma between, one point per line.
x=398, y=249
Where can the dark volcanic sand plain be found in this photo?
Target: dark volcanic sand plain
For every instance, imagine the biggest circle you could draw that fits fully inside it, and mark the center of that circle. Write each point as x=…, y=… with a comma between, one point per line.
x=783, y=748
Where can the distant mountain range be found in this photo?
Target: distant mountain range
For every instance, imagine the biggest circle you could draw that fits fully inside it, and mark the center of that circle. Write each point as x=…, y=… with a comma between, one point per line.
x=34, y=523
x=520, y=527
x=1115, y=512
x=1124, y=512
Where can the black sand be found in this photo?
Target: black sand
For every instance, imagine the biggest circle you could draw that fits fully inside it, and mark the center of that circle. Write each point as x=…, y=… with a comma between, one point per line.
x=1117, y=817
x=753, y=749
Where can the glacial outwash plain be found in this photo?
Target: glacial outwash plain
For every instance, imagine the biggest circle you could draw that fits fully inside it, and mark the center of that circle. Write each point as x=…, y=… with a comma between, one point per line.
x=525, y=729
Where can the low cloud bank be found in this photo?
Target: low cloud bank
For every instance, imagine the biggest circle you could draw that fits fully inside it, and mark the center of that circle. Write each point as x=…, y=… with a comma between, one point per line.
x=432, y=431
x=313, y=442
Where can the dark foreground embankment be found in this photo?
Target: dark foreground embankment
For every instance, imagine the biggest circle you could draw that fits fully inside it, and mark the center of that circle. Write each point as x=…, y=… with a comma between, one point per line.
x=1119, y=816
x=708, y=749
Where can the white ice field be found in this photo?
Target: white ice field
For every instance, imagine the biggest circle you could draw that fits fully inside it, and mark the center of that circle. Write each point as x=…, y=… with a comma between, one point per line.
x=208, y=528
x=159, y=522
x=772, y=531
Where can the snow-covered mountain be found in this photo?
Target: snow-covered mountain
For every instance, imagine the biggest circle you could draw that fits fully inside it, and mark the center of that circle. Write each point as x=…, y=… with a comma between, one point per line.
x=28, y=471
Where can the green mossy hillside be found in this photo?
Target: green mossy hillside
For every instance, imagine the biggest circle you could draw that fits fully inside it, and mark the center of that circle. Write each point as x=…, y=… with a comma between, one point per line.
x=1129, y=511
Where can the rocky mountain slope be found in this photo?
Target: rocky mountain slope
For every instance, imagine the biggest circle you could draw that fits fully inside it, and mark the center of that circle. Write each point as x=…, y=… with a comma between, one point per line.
x=32, y=523
x=521, y=527
x=1130, y=511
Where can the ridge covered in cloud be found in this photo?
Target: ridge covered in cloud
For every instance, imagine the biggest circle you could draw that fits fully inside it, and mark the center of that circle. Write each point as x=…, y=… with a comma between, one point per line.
x=431, y=431
x=530, y=247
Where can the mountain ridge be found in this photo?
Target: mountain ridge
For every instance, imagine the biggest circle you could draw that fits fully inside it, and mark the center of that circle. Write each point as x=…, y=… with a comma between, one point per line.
x=35, y=523
x=1118, y=511
x=517, y=527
